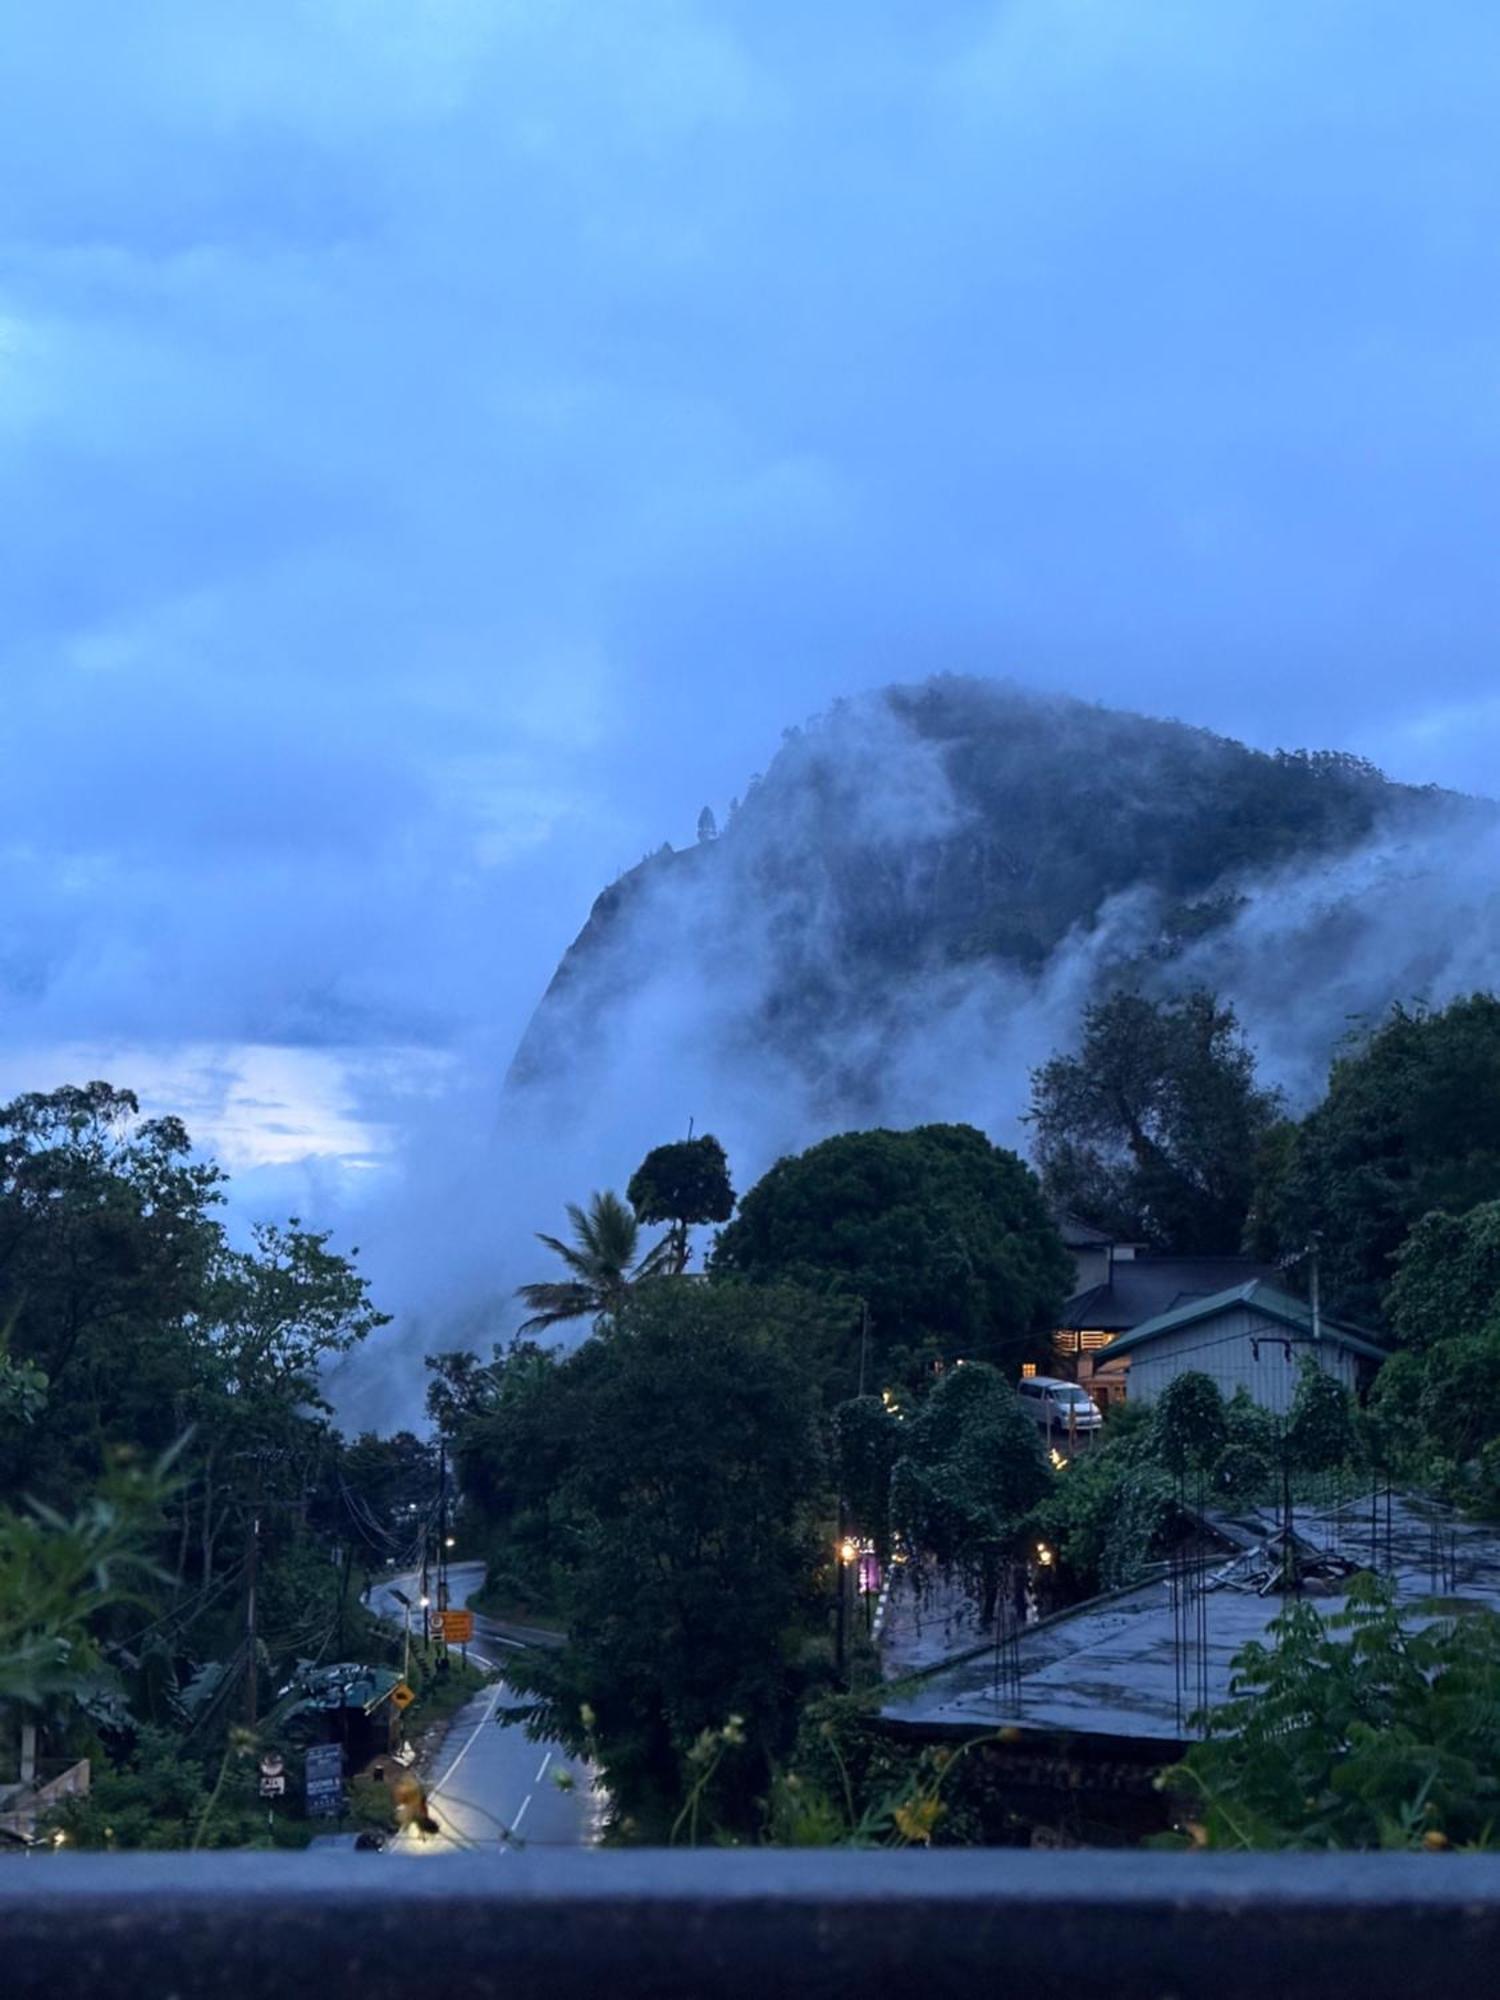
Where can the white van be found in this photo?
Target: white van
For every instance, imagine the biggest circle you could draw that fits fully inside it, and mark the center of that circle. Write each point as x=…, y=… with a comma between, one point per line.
x=1058, y=1406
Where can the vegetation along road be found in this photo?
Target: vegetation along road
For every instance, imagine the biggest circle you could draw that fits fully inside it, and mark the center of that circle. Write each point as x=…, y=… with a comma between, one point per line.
x=495, y=1787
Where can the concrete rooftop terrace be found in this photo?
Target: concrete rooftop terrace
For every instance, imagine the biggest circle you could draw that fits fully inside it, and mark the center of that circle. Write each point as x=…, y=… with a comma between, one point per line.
x=1138, y=1663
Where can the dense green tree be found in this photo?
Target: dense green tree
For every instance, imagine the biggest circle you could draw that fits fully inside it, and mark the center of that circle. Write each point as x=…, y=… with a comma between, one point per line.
x=1192, y=1427
x=945, y=1238
x=603, y=1261
x=109, y=1250
x=134, y=1324
x=867, y=1442
x=1321, y=1433
x=1411, y=1123
x=685, y=1183
x=1152, y=1129
x=970, y=1471
x=693, y=1489
x=1447, y=1279
x=513, y=1450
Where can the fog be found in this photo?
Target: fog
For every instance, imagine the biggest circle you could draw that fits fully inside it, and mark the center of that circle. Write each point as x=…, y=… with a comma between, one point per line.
x=726, y=987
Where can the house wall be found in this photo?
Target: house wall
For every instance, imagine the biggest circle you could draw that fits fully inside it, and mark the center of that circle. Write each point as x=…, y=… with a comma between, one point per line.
x=1239, y=1349
x=1090, y=1265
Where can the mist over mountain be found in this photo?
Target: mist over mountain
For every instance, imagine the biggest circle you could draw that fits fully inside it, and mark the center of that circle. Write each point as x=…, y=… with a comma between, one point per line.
x=910, y=908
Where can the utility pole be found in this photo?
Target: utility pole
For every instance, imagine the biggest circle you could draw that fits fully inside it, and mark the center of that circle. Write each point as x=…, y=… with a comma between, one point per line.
x=442, y=1582
x=252, y=1561
x=864, y=1341
x=1316, y=1289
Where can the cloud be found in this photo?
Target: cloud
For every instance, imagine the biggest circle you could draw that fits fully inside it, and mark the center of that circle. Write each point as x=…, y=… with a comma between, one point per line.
x=444, y=444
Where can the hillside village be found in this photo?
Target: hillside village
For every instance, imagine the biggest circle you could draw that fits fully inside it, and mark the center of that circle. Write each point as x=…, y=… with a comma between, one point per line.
x=901, y=1451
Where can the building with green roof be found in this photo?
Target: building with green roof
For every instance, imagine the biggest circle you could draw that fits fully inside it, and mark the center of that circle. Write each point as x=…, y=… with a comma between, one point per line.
x=1254, y=1337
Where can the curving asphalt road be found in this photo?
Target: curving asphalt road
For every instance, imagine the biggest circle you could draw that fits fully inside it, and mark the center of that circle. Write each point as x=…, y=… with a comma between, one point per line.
x=496, y=1787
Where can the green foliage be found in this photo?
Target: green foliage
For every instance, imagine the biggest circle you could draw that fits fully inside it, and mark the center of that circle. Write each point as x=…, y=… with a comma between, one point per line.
x=684, y=1183
x=1361, y=1730
x=23, y=1387
x=945, y=1237
x=1192, y=1427
x=603, y=1261
x=1108, y=1513
x=1447, y=1281
x=1435, y=1406
x=1246, y=1468
x=1459, y=1403
x=120, y=1287
x=1321, y=1431
x=162, y=1797
x=686, y=1511
x=971, y=1466
x=57, y=1574
x=970, y=1471
x=1411, y=1123
x=282, y=1310
x=867, y=1437
x=1151, y=1130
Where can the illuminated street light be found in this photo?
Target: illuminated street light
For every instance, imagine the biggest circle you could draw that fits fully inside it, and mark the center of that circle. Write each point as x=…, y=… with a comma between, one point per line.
x=848, y=1550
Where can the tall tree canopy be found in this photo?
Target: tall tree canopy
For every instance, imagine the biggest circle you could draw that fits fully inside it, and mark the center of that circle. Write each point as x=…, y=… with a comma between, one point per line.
x=1411, y=1123
x=684, y=1183
x=970, y=1470
x=944, y=1237
x=687, y=1470
x=1153, y=1127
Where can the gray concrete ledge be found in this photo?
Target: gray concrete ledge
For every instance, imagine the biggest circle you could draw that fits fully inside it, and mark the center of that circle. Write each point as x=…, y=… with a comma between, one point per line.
x=805, y=1923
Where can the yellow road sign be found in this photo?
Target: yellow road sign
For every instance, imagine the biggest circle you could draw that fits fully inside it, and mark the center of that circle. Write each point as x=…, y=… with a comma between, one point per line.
x=402, y=1695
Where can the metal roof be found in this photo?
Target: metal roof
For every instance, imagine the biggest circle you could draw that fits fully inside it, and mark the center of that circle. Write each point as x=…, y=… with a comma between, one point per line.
x=1140, y=1288
x=350, y=1684
x=1259, y=1297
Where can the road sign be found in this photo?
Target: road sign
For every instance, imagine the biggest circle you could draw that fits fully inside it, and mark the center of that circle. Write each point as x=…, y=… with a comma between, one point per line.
x=272, y=1787
x=458, y=1627
x=402, y=1695
x=324, y=1780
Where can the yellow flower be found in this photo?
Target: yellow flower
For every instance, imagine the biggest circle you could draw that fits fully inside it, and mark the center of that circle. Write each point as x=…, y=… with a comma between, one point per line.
x=916, y=1820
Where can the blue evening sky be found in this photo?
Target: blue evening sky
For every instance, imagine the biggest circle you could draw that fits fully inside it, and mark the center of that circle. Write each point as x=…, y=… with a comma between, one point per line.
x=443, y=442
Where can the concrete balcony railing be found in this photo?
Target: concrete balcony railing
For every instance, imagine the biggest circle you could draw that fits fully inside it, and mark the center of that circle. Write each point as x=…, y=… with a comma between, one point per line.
x=807, y=1924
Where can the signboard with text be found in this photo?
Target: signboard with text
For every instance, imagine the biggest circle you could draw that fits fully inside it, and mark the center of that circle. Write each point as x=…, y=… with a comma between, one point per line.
x=457, y=1626
x=324, y=1780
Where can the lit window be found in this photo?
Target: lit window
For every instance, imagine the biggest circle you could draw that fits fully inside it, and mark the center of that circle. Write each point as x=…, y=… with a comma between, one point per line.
x=1028, y=1369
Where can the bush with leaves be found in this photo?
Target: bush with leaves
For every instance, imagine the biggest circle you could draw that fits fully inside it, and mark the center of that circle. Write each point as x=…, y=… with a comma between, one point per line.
x=1246, y=1469
x=971, y=1470
x=1364, y=1729
x=1321, y=1431
x=1191, y=1426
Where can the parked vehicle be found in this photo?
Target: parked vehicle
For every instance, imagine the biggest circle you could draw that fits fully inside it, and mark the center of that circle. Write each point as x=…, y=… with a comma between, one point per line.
x=1058, y=1406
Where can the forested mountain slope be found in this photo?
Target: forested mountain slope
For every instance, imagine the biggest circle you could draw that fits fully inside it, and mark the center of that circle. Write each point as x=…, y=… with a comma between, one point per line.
x=936, y=860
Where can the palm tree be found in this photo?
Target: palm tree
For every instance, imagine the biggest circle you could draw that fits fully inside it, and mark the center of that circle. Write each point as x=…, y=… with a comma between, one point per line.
x=603, y=1262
